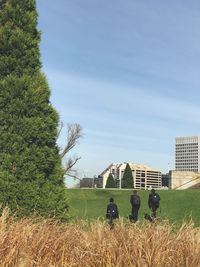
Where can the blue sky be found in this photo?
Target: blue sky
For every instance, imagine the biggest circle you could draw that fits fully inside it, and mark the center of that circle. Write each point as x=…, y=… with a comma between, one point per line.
x=127, y=71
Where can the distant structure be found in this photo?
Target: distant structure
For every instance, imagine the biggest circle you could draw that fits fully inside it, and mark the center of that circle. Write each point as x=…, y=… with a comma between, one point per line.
x=165, y=180
x=86, y=182
x=187, y=163
x=96, y=182
x=184, y=180
x=187, y=154
x=144, y=177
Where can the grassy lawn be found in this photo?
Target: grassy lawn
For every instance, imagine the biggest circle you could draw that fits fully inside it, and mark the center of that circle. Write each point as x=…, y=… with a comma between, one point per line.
x=176, y=206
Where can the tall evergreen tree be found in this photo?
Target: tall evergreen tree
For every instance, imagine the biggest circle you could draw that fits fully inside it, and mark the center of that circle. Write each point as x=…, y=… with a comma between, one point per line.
x=31, y=174
x=127, y=180
x=111, y=183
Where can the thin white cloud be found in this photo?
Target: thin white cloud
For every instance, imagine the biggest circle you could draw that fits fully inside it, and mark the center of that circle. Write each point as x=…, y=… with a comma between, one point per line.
x=105, y=97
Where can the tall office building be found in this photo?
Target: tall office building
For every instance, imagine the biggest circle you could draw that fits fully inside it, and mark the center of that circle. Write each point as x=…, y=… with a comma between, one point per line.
x=188, y=153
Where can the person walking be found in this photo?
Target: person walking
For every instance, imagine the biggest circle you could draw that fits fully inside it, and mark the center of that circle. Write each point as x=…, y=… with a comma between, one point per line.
x=112, y=212
x=135, y=203
x=153, y=202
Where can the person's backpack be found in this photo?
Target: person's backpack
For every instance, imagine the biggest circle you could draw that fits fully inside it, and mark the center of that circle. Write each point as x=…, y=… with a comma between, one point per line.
x=155, y=199
x=112, y=210
x=136, y=200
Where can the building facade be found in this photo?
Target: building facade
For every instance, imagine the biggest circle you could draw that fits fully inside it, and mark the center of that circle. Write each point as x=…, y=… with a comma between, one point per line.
x=184, y=180
x=98, y=182
x=187, y=153
x=86, y=182
x=95, y=182
x=144, y=177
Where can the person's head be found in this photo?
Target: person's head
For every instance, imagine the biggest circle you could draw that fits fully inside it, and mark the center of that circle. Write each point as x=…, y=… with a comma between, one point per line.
x=153, y=191
x=134, y=192
x=111, y=200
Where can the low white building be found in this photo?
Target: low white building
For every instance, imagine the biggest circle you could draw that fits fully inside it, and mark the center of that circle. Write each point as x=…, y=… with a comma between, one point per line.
x=144, y=177
x=184, y=179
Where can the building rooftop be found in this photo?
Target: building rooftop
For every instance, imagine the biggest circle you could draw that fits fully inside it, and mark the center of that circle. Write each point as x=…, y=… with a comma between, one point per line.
x=132, y=166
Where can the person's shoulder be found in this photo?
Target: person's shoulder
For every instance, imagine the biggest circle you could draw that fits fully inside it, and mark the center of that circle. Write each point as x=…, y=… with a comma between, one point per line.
x=157, y=195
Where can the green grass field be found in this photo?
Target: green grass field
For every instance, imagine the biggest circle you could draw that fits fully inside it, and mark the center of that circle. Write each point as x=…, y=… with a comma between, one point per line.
x=175, y=206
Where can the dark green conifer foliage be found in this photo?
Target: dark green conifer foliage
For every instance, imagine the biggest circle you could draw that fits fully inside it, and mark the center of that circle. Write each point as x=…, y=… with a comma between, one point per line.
x=31, y=174
x=127, y=180
x=111, y=183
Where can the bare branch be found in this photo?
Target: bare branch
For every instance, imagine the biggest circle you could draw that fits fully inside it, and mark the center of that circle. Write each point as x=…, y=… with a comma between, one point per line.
x=74, y=176
x=72, y=173
x=74, y=133
x=70, y=163
x=61, y=127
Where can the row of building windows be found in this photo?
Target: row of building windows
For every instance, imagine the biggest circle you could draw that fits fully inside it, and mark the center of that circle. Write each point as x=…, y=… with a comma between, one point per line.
x=186, y=157
x=186, y=148
x=188, y=144
x=187, y=160
x=188, y=169
x=187, y=152
x=188, y=166
x=187, y=163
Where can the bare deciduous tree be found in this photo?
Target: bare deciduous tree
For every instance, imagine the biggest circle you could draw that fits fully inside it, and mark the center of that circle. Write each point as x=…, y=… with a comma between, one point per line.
x=74, y=133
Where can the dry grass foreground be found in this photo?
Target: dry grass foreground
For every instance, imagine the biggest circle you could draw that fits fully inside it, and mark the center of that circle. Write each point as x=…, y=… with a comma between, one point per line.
x=47, y=243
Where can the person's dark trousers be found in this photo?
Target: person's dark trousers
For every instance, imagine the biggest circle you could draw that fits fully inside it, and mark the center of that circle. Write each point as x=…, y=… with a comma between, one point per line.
x=154, y=208
x=135, y=210
x=110, y=222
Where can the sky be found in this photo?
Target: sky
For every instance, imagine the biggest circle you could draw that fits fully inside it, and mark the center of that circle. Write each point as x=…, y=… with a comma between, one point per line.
x=128, y=71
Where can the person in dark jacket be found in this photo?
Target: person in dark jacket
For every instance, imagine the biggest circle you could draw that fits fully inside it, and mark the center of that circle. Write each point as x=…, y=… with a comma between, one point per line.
x=135, y=203
x=112, y=211
x=153, y=202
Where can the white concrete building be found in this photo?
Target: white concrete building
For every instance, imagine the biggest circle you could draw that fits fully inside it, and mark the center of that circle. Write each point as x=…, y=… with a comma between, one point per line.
x=184, y=179
x=144, y=177
x=187, y=153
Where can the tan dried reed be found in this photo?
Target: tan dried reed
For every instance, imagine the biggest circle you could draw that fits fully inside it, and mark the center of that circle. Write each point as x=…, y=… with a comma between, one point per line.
x=47, y=243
